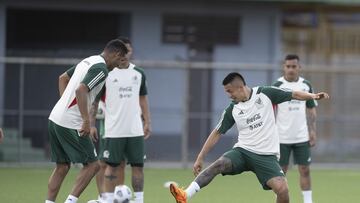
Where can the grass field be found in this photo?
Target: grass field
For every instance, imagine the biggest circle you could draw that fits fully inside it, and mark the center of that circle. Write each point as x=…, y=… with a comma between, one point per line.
x=27, y=185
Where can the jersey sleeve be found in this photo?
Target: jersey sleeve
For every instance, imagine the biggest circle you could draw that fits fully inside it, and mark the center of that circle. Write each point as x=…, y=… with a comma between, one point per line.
x=310, y=103
x=226, y=120
x=143, y=86
x=276, y=95
x=95, y=75
x=70, y=71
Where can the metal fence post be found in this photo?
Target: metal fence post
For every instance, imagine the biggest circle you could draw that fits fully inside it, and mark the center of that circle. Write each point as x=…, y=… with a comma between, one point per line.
x=21, y=109
x=185, y=129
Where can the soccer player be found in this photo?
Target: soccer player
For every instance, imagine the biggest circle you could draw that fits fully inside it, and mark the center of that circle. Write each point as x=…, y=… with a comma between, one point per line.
x=72, y=118
x=127, y=124
x=257, y=149
x=297, y=134
x=1, y=135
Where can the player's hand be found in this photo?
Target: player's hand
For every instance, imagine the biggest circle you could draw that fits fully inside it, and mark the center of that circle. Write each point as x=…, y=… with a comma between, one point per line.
x=312, y=139
x=1, y=135
x=321, y=95
x=94, y=134
x=147, y=130
x=85, y=128
x=197, y=167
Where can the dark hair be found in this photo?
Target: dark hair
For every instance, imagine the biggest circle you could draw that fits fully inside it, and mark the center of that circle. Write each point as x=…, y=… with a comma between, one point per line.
x=231, y=77
x=125, y=40
x=116, y=45
x=292, y=57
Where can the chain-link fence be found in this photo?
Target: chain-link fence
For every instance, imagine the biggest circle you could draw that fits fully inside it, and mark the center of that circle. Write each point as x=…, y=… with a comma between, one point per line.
x=186, y=100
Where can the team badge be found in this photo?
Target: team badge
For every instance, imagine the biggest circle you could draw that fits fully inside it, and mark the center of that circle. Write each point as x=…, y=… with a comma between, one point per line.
x=259, y=103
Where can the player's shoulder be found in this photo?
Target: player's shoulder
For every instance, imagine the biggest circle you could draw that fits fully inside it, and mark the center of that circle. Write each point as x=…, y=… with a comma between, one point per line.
x=139, y=69
x=305, y=81
x=95, y=59
x=279, y=82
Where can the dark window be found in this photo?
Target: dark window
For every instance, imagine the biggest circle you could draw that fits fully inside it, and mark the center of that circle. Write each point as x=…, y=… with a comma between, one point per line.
x=209, y=29
x=48, y=29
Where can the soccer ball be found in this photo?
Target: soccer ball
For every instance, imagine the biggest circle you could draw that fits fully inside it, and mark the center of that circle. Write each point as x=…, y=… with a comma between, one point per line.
x=122, y=194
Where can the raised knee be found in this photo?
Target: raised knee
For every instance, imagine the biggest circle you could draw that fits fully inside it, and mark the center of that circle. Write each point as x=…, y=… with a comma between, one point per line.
x=283, y=190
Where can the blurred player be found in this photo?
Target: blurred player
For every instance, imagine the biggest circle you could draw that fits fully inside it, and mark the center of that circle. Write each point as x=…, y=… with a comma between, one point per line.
x=1, y=135
x=71, y=120
x=127, y=124
x=257, y=148
x=297, y=134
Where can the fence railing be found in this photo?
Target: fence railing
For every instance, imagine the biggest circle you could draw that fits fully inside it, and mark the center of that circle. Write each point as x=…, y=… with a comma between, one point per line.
x=182, y=117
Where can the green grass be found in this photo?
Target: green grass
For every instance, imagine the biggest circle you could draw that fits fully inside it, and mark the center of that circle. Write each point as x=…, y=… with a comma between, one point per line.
x=18, y=185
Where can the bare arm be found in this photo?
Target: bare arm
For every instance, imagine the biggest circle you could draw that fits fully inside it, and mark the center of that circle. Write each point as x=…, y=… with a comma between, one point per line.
x=93, y=129
x=311, y=122
x=209, y=144
x=63, y=82
x=300, y=95
x=144, y=105
x=81, y=97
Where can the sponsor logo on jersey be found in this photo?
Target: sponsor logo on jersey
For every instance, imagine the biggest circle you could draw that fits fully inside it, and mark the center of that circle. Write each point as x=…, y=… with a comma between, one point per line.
x=115, y=80
x=241, y=112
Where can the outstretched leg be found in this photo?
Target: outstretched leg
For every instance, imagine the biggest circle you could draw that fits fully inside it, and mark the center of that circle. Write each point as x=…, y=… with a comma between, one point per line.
x=222, y=165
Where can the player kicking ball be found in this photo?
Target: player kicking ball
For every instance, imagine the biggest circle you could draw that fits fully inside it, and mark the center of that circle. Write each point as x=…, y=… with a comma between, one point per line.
x=257, y=149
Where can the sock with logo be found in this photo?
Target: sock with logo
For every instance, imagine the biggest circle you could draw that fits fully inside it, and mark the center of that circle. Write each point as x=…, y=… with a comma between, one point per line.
x=71, y=199
x=192, y=189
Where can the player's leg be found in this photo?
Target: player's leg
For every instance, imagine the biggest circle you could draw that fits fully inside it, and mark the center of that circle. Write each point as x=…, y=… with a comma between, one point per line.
x=302, y=157
x=223, y=165
x=121, y=173
x=56, y=179
x=285, y=151
x=84, y=177
x=113, y=155
x=59, y=156
x=279, y=186
x=269, y=174
x=100, y=174
x=135, y=156
x=82, y=151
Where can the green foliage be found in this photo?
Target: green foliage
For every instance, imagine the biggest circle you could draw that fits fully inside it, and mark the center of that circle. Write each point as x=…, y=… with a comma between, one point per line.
x=331, y=186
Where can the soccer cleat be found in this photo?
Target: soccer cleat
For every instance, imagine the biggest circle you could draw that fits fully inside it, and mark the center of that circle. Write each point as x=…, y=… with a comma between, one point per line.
x=178, y=193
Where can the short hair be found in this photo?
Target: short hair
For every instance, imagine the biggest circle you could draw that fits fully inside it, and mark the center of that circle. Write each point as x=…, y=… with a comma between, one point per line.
x=231, y=77
x=116, y=45
x=125, y=40
x=292, y=57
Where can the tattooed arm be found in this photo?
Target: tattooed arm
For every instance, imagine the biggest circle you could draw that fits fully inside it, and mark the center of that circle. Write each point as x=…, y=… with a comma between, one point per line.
x=311, y=122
